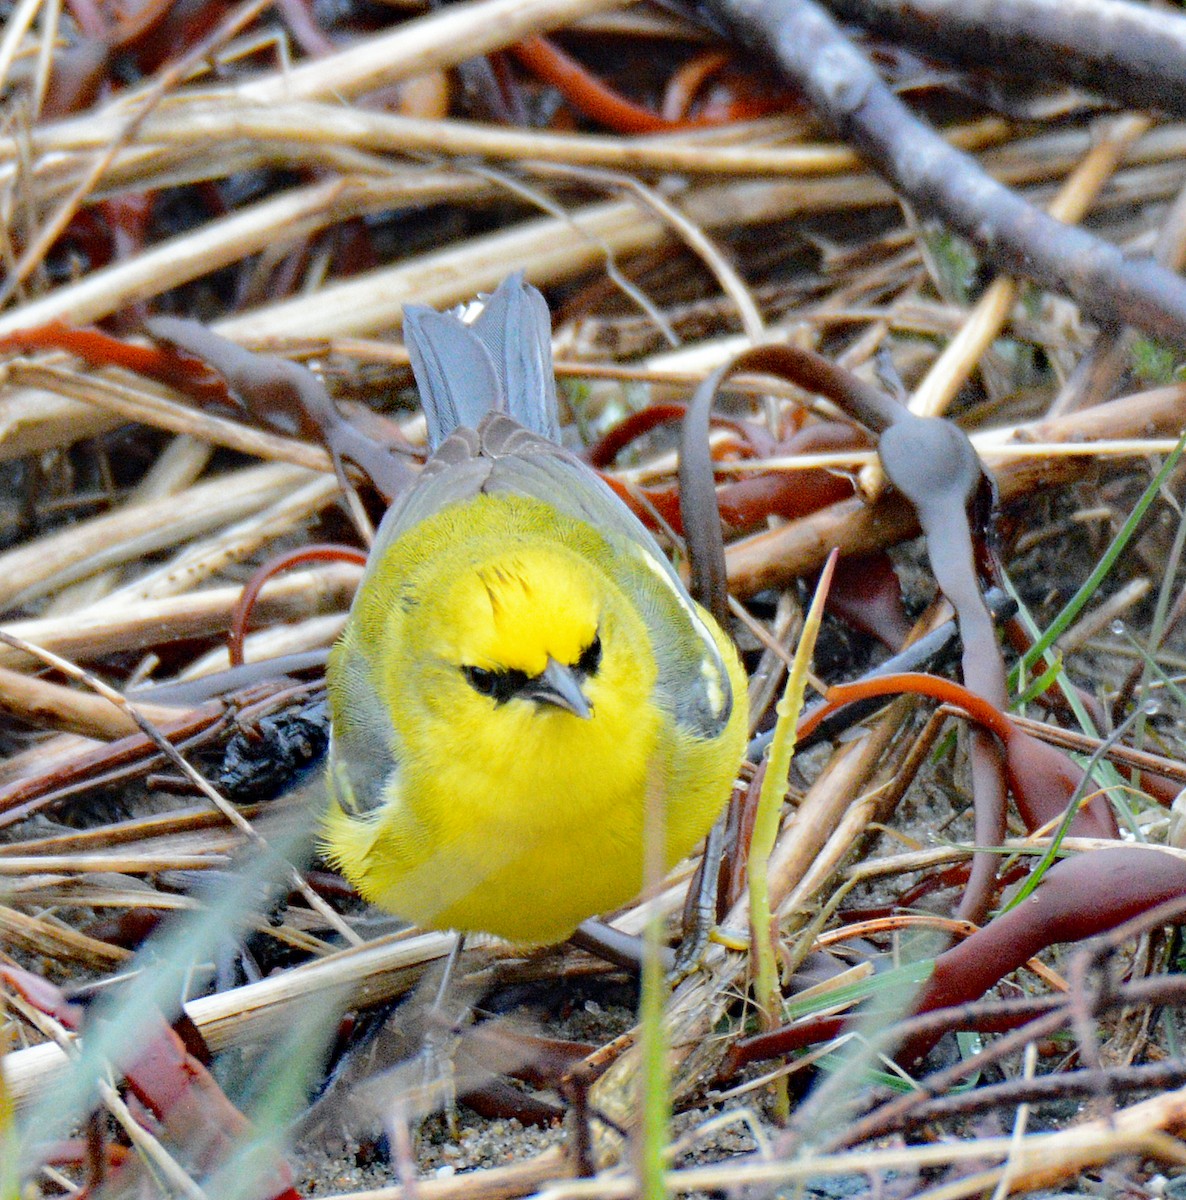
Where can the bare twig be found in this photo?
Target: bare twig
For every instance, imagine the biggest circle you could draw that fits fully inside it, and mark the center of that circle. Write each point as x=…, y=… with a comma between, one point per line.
x=1134, y=53
x=1017, y=239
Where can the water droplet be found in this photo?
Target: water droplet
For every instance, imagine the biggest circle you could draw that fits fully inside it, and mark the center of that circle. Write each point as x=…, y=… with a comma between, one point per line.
x=1119, y=628
x=1152, y=707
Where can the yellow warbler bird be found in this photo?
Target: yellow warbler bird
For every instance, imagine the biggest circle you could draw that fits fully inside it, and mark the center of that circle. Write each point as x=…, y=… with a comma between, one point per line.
x=522, y=672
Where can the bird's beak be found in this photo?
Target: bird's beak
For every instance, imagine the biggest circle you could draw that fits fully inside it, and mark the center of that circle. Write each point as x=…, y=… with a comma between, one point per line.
x=558, y=685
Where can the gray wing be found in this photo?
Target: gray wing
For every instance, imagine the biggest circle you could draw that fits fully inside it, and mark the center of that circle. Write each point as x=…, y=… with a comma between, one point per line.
x=364, y=750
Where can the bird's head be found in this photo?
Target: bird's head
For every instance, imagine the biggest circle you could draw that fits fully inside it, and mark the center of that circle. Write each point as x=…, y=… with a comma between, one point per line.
x=526, y=631
x=531, y=654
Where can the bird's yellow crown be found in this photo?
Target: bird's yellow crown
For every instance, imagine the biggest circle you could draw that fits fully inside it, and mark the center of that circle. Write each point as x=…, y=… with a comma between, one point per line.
x=520, y=608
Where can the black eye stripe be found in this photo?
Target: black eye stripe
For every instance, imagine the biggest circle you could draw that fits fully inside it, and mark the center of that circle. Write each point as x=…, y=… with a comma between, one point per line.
x=590, y=658
x=500, y=686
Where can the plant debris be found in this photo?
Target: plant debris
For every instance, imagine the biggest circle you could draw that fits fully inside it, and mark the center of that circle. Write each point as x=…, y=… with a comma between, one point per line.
x=768, y=242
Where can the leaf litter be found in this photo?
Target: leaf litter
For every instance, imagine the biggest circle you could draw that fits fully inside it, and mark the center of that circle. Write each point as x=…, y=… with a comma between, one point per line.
x=285, y=183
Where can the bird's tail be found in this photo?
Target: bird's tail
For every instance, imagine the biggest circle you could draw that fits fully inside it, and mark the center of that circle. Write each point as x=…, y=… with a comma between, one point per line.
x=502, y=362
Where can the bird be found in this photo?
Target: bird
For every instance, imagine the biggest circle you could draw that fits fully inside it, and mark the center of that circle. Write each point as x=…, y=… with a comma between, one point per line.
x=522, y=671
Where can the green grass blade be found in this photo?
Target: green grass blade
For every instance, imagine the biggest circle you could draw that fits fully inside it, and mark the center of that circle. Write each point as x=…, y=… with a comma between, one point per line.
x=1091, y=584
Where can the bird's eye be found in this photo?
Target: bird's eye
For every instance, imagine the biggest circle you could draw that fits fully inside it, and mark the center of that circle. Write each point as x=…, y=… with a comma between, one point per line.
x=484, y=682
x=500, y=686
x=590, y=658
